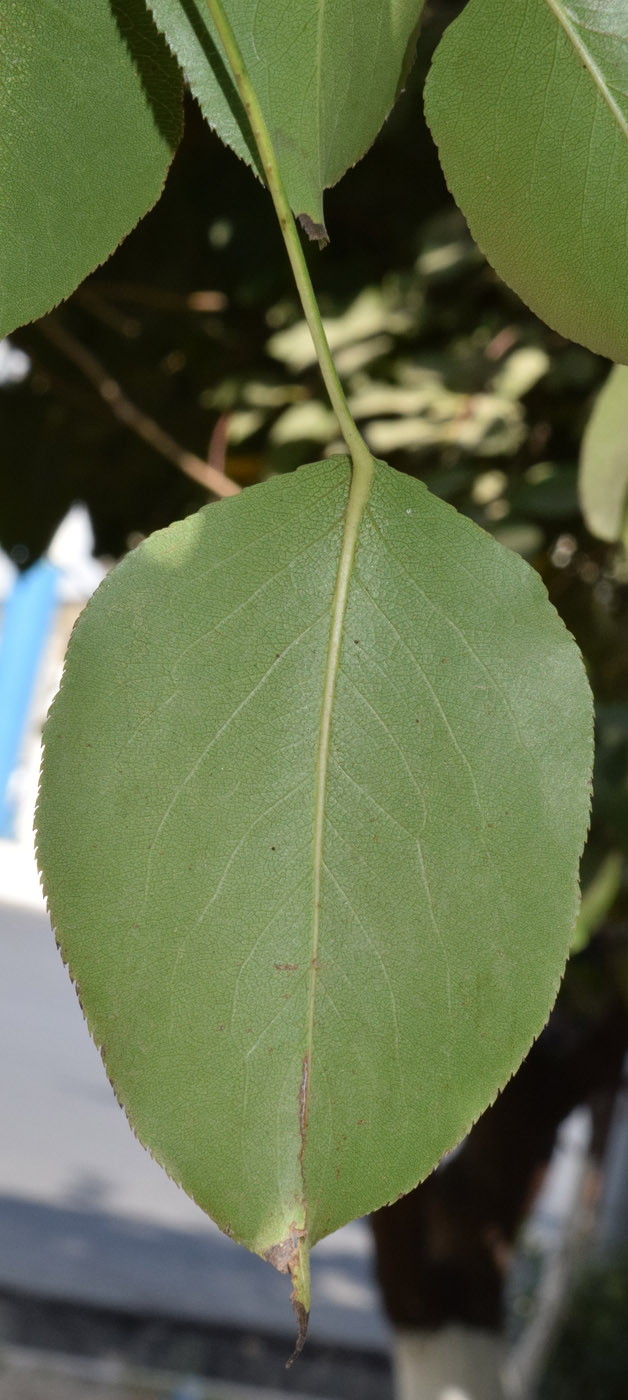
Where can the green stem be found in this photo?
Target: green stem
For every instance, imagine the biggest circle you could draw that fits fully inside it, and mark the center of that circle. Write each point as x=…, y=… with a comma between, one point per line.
x=360, y=455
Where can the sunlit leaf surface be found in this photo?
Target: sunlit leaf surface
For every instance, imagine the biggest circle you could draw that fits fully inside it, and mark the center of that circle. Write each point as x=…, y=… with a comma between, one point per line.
x=528, y=102
x=89, y=120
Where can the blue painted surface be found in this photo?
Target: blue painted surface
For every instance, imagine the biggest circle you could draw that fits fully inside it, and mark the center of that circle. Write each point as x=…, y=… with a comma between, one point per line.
x=26, y=623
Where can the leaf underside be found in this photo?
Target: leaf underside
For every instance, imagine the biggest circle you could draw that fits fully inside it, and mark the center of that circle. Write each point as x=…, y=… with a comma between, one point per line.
x=288, y=1095
x=528, y=103
x=90, y=118
x=603, y=472
x=326, y=76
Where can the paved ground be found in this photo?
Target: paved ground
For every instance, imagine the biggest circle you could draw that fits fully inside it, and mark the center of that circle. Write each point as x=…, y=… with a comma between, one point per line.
x=25, y=1375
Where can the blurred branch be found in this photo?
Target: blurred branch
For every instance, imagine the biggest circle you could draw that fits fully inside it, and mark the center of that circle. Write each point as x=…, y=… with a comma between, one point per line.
x=144, y=427
x=161, y=299
x=109, y=315
x=217, y=451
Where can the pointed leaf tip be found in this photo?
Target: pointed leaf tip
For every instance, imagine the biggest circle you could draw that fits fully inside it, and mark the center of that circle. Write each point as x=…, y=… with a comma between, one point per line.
x=300, y=1296
x=303, y=1319
x=319, y=126
x=292, y=1256
x=317, y=233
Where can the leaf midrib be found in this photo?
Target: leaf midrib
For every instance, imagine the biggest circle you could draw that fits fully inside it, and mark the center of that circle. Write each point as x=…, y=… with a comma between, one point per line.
x=359, y=491
x=319, y=89
x=586, y=58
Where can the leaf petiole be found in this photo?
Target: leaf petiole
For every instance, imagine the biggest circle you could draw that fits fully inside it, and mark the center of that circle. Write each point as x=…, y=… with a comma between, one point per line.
x=359, y=452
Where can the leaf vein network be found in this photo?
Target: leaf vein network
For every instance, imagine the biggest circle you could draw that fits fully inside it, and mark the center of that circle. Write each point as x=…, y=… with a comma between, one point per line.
x=218, y=735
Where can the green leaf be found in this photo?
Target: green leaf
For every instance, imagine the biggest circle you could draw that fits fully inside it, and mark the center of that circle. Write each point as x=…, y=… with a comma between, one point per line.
x=610, y=778
x=90, y=118
x=528, y=105
x=308, y=977
x=598, y=899
x=603, y=475
x=326, y=76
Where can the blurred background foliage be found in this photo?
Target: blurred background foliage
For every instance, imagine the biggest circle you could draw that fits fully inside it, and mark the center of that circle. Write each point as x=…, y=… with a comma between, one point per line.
x=450, y=377
x=591, y=1354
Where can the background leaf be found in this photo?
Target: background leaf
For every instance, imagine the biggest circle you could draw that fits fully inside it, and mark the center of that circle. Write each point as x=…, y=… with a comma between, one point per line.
x=528, y=106
x=603, y=477
x=176, y=842
x=597, y=899
x=90, y=118
x=325, y=75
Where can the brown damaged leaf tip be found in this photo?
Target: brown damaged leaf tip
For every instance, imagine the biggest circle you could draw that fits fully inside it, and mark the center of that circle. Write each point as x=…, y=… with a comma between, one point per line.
x=291, y=1256
x=317, y=232
x=283, y=1256
x=303, y=1318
